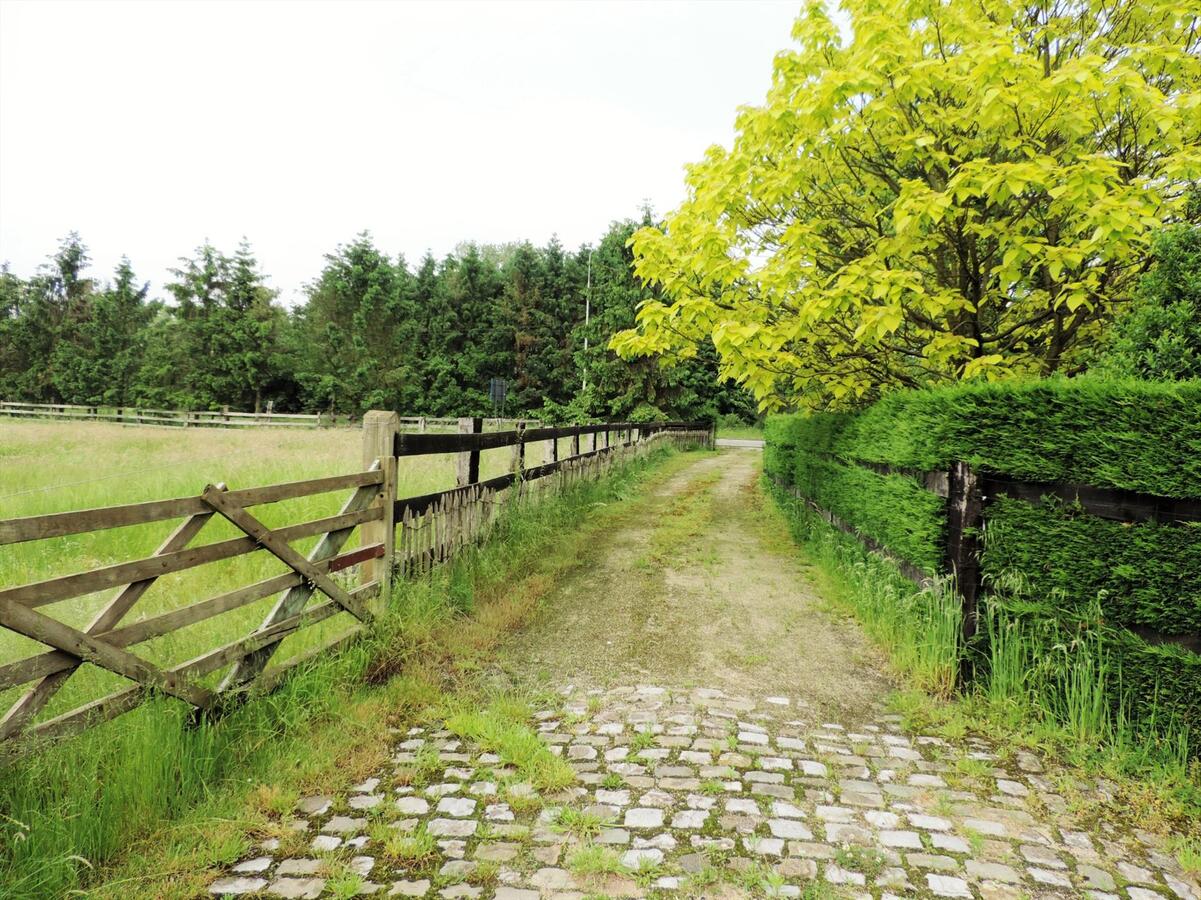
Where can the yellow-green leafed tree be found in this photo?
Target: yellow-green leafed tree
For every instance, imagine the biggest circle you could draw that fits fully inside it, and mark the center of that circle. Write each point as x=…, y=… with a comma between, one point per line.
x=959, y=189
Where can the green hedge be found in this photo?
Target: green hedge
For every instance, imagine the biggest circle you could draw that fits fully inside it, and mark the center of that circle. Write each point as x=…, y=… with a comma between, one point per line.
x=1134, y=435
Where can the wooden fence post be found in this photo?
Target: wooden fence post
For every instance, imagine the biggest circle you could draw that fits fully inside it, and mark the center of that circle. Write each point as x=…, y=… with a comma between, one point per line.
x=467, y=463
x=519, y=451
x=379, y=442
x=575, y=444
x=965, y=515
x=551, y=453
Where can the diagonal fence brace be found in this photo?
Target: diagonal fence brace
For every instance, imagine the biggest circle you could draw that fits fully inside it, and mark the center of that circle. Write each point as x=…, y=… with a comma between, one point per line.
x=249, y=667
x=36, y=698
x=282, y=550
x=86, y=648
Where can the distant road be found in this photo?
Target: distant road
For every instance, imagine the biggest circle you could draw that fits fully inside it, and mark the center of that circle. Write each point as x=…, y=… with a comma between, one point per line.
x=740, y=443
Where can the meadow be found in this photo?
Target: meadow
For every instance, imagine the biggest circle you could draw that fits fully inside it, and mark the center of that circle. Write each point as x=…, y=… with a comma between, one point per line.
x=49, y=467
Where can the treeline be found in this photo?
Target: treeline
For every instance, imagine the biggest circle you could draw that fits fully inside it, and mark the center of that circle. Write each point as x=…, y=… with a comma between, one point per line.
x=373, y=332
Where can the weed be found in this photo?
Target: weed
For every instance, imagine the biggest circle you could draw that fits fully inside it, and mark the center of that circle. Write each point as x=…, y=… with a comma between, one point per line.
x=580, y=823
x=414, y=851
x=642, y=740
x=594, y=859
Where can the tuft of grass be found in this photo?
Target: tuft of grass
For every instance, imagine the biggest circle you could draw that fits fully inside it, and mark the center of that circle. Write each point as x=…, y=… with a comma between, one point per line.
x=594, y=859
x=414, y=852
x=496, y=730
x=580, y=823
x=642, y=740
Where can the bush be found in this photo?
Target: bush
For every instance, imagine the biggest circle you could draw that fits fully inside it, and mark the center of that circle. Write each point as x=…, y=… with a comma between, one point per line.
x=1125, y=434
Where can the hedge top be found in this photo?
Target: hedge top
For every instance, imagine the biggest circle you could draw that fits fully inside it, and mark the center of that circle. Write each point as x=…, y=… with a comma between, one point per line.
x=1136, y=435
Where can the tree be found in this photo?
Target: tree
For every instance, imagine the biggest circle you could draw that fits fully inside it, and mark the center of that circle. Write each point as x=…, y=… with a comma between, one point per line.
x=963, y=189
x=1159, y=337
x=97, y=361
x=231, y=330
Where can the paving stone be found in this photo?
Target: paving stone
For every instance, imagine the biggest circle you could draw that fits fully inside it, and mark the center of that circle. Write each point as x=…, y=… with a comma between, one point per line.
x=512, y=893
x=344, y=825
x=456, y=806
x=949, y=842
x=253, y=866
x=237, y=885
x=452, y=827
x=1012, y=788
x=636, y=859
x=836, y=874
x=1096, y=878
x=762, y=846
x=902, y=839
x=992, y=871
x=931, y=861
x=789, y=829
x=1134, y=873
x=550, y=879
x=689, y=818
x=306, y=888
x=460, y=890
x=315, y=806
x=1041, y=856
x=410, y=888
x=412, y=806
x=642, y=817
x=299, y=867
x=947, y=886
x=1046, y=876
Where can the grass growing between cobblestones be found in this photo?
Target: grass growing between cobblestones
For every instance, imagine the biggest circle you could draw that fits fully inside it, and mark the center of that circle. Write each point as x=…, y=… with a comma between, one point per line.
x=146, y=805
x=1066, y=703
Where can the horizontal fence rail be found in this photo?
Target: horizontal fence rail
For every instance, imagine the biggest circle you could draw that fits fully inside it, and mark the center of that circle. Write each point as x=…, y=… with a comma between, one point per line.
x=970, y=492
x=225, y=417
x=390, y=534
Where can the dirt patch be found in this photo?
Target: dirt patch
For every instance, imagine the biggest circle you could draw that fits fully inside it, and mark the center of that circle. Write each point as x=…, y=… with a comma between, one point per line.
x=698, y=585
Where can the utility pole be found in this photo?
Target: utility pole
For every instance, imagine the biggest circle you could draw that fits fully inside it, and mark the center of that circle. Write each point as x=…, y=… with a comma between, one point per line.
x=587, y=317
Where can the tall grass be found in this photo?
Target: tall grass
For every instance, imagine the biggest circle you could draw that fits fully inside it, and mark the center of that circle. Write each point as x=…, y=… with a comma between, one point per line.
x=48, y=467
x=1042, y=678
x=919, y=628
x=72, y=807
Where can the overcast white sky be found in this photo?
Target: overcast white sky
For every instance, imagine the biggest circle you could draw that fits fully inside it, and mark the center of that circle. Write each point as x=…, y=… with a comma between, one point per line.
x=149, y=127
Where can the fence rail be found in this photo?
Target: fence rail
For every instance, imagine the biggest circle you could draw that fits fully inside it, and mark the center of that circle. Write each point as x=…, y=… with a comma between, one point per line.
x=224, y=417
x=407, y=535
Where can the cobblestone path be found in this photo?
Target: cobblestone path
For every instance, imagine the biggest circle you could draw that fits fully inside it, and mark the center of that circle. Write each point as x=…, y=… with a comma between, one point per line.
x=693, y=789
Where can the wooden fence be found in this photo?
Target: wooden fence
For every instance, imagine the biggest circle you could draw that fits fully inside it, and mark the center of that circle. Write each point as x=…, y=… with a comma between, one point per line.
x=969, y=492
x=394, y=535
x=225, y=417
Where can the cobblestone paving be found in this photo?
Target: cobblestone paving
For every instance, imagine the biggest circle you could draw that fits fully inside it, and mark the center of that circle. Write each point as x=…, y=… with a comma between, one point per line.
x=693, y=793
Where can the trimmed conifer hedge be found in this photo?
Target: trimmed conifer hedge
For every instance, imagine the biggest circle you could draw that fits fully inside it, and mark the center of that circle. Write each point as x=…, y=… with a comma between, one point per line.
x=1131, y=435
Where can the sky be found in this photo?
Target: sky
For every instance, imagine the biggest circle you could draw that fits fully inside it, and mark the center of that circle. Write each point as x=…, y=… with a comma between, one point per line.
x=151, y=127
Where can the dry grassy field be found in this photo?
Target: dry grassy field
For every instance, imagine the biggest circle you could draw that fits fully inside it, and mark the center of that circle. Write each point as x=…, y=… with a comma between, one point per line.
x=48, y=467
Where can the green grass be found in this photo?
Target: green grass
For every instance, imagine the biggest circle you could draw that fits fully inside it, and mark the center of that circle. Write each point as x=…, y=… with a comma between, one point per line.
x=147, y=804
x=1041, y=685
x=48, y=467
x=741, y=432
x=502, y=728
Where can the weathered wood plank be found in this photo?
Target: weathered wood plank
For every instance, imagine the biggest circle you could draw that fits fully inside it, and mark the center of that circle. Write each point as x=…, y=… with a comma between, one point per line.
x=292, y=602
x=39, y=695
x=90, y=649
x=282, y=550
x=63, y=587
x=122, y=701
x=31, y=528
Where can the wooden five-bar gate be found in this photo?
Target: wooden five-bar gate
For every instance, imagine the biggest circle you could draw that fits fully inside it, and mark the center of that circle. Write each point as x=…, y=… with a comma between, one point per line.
x=394, y=535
